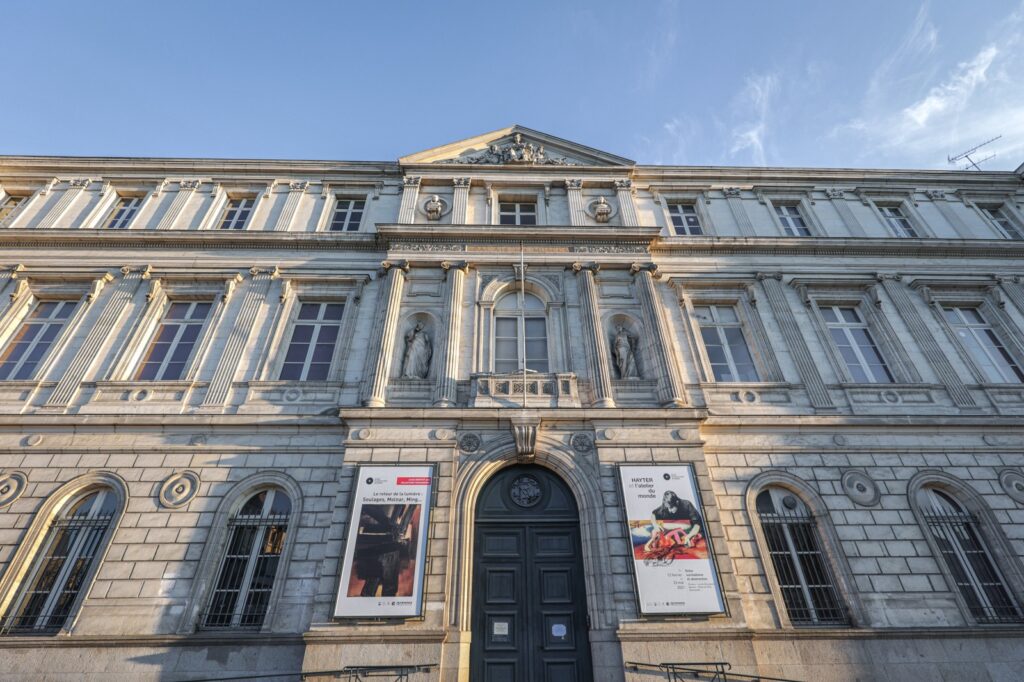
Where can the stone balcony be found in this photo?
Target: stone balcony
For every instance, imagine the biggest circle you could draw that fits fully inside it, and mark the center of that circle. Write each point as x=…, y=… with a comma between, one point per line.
x=512, y=390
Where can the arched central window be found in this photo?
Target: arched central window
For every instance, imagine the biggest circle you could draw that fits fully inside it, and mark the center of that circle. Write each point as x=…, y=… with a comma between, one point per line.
x=256, y=537
x=967, y=556
x=72, y=545
x=520, y=334
x=801, y=570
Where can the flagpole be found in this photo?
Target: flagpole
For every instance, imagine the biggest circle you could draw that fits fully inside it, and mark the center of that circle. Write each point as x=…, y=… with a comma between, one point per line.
x=522, y=313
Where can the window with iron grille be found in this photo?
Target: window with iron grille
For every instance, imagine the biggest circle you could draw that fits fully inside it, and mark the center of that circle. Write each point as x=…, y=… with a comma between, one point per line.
x=311, y=346
x=245, y=580
x=980, y=341
x=999, y=218
x=123, y=212
x=801, y=569
x=792, y=221
x=73, y=544
x=520, y=334
x=175, y=340
x=966, y=555
x=9, y=205
x=517, y=213
x=29, y=346
x=856, y=345
x=724, y=343
x=348, y=214
x=899, y=223
x=236, y=214
x=685, y=220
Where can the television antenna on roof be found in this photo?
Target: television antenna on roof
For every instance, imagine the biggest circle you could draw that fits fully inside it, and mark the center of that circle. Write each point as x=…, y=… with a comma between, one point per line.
x=971, y=163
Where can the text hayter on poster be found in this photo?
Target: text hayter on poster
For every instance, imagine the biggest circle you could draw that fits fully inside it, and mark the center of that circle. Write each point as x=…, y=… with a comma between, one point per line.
x=382, y=574
x=674, y=567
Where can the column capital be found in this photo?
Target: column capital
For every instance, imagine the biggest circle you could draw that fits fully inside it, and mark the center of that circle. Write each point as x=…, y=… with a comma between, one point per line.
x=462, y=182
x=144, y=271
x=298, y=185
x=271, y=273
x=411, y=181
x=573, y=183
x=891, y=276
x=623, y=185
x=636, y=268
x=79, y=183
x=188, y=185
x=386, y=265
x=578, y=267
x=761, y=276
x=462, y=265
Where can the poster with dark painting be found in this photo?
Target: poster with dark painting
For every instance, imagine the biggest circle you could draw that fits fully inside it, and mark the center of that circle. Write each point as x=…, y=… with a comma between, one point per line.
x=383, y=566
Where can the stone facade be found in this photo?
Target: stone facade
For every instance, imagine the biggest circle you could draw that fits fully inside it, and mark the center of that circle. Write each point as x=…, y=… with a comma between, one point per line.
x=611, y=249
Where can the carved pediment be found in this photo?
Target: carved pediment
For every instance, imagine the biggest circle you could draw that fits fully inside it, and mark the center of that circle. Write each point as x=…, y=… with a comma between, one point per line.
x=515, y=146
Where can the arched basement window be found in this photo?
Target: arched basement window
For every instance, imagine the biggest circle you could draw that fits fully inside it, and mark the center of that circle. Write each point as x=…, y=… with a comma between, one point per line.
x=73, y=544
x=801, y=569
x=245, y=580
x=957, y=537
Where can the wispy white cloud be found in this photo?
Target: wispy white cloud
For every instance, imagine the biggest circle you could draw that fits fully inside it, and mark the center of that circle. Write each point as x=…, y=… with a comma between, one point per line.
x=756, y=100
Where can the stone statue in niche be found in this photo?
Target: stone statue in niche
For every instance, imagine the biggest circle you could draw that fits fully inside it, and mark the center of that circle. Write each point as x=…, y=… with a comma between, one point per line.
x=434, y=208
x=602, y=211
x=625, y=358
x=416, y=364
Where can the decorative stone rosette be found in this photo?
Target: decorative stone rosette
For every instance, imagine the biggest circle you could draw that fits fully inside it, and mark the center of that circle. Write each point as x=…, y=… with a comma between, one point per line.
x=178, y=489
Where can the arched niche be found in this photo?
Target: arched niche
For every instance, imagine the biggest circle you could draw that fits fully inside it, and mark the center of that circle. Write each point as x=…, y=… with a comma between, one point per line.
x=638, y=340
x=428, y=325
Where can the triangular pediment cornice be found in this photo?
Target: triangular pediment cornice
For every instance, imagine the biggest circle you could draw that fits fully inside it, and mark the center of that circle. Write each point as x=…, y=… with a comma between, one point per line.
x=515, y=146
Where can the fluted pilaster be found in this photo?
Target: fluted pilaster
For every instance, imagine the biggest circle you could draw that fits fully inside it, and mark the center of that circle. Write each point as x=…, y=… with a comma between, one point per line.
x=446, y=386
x=185, y=190
x=89, y=352
x=734, y=197
x=805, y=365
x=224, y=375
x=926, y=340
x=460, y=201
x=838, y=198
x=57, y=211
x=291, y=204
x=593, y=335
x=670, y=384
x=410, y=192
x=627, y=209
x=385, y=331
x=577, y=212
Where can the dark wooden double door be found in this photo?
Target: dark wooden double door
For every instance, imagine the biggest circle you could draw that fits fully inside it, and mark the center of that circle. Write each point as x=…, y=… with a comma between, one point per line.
x=529, y=594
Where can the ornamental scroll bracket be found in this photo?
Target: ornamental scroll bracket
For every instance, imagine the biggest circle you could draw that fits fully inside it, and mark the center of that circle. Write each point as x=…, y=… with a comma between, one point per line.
x=524, y=432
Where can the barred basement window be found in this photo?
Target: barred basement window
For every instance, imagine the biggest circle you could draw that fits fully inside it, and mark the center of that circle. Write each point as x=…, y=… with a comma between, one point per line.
x=311, y=348
x=236, y=214
x=801, y=569
x=123, y=212
x=966, y=555
x=73, y=543
x=245, y=580
x=348, y=214
x=685, y=220
x=30, y=344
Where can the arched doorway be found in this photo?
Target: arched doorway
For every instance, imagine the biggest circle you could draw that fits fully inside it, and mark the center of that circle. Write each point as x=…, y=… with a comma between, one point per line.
x=529, y=614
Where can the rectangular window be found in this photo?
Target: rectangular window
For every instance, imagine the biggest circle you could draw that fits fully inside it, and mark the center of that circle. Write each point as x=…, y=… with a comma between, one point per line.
x=348, y=214
x=725, y=344
x=311, y=347
x=898, y=222
x=30, y=344
x=793, y=223
x=998, y=218
x=684, y=219
x=8, y=206
x=853, y=339
x=123, y=212
x=513, y=335
x=171, y=348
x=236, y=214
x=517, y=213
x=980, y=341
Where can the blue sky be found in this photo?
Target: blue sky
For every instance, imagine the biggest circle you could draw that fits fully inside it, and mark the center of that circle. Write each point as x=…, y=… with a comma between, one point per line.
x=784, y=83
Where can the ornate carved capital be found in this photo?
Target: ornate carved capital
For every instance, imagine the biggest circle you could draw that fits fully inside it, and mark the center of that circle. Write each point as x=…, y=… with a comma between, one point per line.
x=524, y=432
x=882, y=276
x=79, y=183
x=761, y=276
x=935, y=194
x=520, y=270
x=644, y=267
x=386, y=265
x=188, y=185
x=411, y=181
x=835, y=193
x=731, y=191
x=447, y=265
x=573, y=183
x=298, y=185
x=144, y=271
x=462, y=182
x=593, y=267
x=272, y=273
x=623, y=185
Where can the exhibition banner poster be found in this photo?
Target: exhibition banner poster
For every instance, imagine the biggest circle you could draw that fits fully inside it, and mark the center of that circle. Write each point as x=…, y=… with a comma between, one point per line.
x=672, y=558
x=385, y=556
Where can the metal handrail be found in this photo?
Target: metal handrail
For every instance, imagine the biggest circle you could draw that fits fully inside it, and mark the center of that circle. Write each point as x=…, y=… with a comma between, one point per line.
x=713, y=671
x=350, y=673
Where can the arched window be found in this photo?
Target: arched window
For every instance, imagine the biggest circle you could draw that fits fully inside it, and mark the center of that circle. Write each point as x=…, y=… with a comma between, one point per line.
x=802, y=571
x=956, y=535
x=520, y=334
x=256, y=535
x=73, y=544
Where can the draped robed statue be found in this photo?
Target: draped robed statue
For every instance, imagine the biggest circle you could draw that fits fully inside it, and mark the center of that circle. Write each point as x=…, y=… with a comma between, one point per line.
x=416, y=364
x=625, y=360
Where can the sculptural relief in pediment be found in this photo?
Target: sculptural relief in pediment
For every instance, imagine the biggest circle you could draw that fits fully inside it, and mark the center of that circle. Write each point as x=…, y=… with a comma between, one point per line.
x=515, y=152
